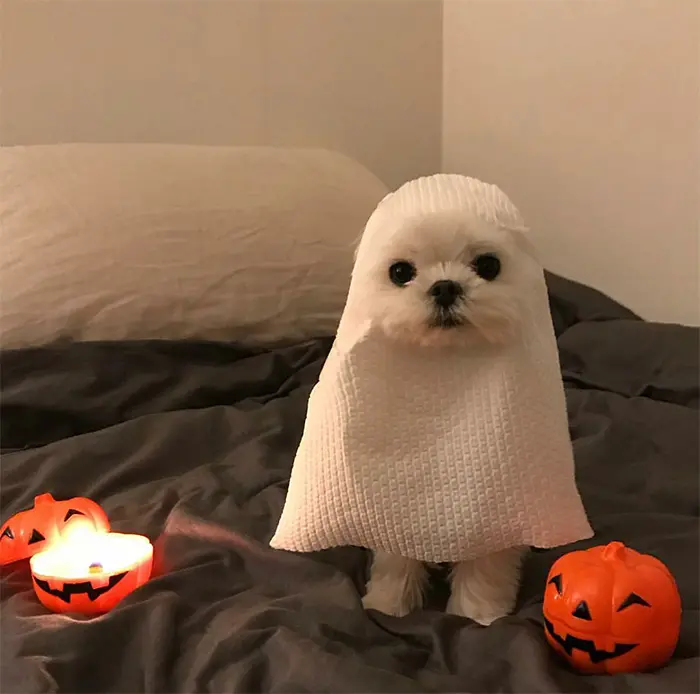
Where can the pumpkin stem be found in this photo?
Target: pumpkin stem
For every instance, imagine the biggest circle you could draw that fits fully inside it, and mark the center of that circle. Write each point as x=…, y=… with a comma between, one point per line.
x=43, y=499
x=614, y=550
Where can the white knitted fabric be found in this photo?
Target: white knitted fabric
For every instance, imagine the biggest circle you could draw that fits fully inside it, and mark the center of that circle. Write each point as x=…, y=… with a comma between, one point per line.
x=432, y=454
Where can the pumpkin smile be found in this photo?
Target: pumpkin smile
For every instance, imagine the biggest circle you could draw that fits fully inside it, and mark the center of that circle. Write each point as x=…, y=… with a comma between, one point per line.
x=83, y=588
x=597, y=655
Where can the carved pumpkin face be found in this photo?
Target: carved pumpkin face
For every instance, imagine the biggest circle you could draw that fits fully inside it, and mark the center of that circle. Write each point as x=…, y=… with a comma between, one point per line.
x=610, y=609
x=91, y=575
x=88, y=595
x=35, y=529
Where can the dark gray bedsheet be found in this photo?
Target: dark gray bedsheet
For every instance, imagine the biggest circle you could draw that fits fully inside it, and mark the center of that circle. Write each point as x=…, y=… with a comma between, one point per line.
x=192, y=445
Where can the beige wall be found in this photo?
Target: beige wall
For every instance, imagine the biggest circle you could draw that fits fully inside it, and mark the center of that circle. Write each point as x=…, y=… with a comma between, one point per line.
x=587, y=112
x=360, y=76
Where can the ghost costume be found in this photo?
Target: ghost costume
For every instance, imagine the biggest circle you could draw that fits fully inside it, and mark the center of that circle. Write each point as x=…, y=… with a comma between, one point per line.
x=433, y=454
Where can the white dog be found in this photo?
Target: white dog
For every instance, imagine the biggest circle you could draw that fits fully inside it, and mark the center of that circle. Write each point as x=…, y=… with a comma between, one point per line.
x=447, y=281
x=437, y=432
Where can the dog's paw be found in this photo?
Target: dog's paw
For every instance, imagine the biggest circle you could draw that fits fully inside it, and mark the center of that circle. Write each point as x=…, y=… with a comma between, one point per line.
x=485, y=589
x=481, y=613
x=393, y=604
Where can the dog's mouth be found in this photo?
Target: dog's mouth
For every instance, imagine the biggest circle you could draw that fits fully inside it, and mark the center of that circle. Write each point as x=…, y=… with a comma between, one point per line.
x=446, y=320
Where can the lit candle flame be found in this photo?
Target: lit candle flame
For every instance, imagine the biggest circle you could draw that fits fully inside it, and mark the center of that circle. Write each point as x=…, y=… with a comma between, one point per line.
x=78, y=529
x=85, y=552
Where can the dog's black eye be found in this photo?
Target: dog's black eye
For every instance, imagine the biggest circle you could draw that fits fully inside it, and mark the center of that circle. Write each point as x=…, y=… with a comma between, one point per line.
x=487, y=266
x=402, y=272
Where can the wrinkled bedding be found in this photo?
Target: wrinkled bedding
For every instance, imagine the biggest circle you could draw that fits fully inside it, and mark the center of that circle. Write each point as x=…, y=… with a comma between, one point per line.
x=192, y=445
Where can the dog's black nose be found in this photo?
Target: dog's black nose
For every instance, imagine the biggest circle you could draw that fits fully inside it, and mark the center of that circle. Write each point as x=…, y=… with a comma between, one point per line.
x=445, y=293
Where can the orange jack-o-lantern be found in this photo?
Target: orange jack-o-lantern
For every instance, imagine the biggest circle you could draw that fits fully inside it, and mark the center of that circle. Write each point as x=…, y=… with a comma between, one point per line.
x=37, y=528
x=91, y=574
x=610, y=609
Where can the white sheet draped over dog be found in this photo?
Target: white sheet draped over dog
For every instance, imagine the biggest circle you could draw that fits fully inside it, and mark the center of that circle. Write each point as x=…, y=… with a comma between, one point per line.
x=439, y=455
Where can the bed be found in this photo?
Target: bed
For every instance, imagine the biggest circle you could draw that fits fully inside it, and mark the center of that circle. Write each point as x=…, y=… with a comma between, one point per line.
x=190, y=440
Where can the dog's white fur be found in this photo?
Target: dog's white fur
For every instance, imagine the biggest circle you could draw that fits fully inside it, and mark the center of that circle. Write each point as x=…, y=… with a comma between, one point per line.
x=443, y=247
x=483, y=589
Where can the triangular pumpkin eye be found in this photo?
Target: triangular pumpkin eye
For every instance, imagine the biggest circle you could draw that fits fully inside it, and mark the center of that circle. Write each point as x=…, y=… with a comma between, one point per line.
x=633, y=599
x=72, y=512
x=36, y=537
x=7, y=532
x=582, y=611
x=556, y=582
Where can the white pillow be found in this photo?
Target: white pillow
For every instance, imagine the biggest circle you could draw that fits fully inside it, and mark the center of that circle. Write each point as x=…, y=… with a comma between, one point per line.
x=117, y=242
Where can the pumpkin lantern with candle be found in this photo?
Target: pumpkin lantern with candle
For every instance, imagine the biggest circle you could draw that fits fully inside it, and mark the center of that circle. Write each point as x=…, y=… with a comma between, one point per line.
x=610, y=609
x=77, y=564
x=91, y=574
x=48, y=522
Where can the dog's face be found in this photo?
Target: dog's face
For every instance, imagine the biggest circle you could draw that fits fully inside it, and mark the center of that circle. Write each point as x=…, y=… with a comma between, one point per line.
x=444, y=280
